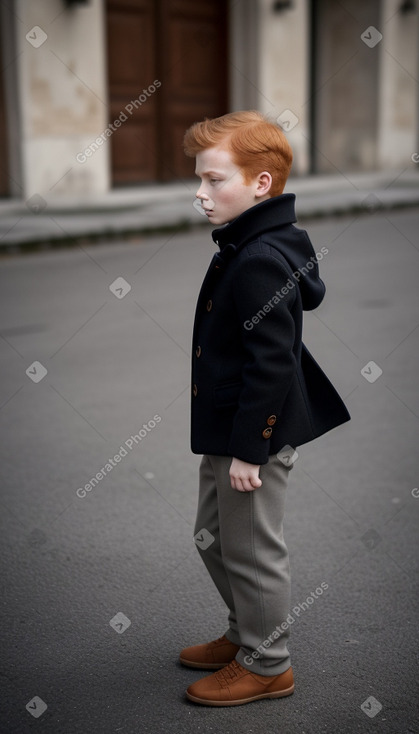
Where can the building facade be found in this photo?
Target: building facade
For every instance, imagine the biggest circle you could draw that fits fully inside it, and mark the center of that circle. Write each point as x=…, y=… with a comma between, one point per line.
x=96, y=94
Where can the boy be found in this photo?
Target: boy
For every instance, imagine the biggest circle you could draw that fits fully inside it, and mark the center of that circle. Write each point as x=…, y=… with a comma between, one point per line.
x=257, y=394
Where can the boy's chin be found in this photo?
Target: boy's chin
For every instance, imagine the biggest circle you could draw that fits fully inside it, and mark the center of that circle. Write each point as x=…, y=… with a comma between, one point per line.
x=219, y=221
x=216, y=221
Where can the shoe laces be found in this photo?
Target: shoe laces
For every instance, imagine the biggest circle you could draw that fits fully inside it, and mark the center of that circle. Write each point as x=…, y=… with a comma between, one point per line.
x=218, y=641
x=230, y=673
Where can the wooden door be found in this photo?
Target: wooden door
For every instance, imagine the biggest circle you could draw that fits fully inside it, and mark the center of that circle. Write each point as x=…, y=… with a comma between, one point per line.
x=193, y=67
x=131, y=68
x=167, y=68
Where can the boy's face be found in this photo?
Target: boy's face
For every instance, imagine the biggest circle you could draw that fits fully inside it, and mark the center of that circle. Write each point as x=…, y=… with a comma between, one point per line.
x=223, y=192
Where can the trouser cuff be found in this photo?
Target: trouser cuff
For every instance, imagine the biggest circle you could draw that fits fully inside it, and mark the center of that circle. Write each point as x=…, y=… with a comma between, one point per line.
x=262, y=666
x=232, y=636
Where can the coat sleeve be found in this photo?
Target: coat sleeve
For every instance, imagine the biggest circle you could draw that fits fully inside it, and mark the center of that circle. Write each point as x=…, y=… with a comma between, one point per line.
x=268, y=335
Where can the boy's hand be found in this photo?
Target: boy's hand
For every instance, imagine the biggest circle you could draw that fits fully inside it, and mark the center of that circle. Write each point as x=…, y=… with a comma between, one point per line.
x=244, y=477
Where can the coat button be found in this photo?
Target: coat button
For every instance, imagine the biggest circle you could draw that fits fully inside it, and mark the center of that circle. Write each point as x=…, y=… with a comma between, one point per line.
x=271, y=420
x=195, y=391
x=267, y=433
x=209, y=305
x=198, y=351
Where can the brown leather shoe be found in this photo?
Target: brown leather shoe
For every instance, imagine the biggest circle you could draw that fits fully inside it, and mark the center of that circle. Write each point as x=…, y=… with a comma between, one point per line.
x=213, y=655
x=236, y=685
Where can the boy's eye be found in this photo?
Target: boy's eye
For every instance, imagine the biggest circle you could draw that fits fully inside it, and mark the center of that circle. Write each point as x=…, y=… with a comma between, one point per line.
x=214, y=180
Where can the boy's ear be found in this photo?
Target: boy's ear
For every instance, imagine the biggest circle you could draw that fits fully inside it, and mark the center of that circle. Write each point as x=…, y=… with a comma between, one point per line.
x=264, y=183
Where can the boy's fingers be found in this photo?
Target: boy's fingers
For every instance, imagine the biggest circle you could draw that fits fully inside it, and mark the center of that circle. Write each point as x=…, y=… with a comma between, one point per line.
x=245, y=484
x=244, y=477
x=236, y=483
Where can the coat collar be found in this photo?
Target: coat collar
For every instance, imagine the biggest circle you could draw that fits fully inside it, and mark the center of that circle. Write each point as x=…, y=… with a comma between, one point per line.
x=267, y=215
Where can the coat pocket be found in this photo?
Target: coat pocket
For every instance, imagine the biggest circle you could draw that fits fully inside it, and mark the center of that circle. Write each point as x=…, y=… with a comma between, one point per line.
x=227, y=395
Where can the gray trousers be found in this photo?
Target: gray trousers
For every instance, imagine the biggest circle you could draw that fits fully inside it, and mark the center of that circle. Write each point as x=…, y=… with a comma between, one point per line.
x=248, y=559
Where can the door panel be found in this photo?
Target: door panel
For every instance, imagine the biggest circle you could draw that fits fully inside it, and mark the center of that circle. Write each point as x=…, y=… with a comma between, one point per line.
x=181, y=43
x=131, y=68
x=194, y=72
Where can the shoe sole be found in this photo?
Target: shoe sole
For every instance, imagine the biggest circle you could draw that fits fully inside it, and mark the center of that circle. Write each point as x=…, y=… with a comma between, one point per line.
x=208, y=702
x=203, y=666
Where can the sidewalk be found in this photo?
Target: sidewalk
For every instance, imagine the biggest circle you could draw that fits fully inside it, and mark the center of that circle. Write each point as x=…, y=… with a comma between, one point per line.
x=170, y=206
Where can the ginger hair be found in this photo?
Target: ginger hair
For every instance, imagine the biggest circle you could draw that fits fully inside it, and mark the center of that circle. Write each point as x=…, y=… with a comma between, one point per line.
x=255, y=144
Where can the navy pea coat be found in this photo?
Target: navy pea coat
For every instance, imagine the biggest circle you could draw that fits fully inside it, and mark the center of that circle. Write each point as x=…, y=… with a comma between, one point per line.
x=255, y=386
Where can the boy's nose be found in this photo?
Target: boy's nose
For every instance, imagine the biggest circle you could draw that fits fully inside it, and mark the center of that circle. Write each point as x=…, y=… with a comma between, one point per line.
x=201, y=195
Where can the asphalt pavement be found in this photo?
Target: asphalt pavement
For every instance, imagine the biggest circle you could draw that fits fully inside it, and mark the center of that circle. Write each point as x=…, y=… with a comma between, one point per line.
x=102, y=583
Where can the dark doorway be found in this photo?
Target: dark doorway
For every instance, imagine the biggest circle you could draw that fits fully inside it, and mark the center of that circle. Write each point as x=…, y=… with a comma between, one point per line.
x=344, y=93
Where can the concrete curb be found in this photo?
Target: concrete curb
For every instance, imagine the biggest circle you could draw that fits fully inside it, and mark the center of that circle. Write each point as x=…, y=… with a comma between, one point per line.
x=37, y=224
